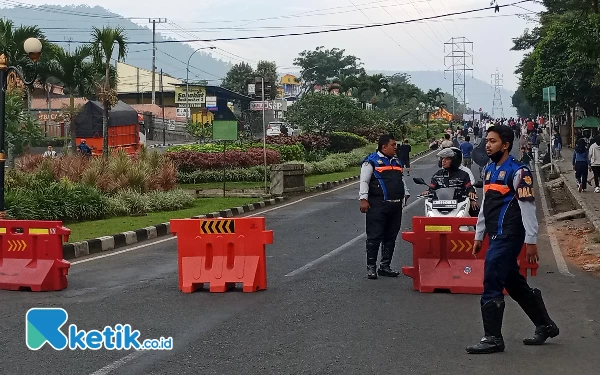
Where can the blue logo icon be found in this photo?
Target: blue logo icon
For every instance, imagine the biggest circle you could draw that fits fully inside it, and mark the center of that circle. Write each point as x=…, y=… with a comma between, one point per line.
x=43, y=325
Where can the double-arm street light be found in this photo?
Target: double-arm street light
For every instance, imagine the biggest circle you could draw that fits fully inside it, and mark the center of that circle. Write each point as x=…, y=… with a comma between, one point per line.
x=187, y=82
x=33, y=48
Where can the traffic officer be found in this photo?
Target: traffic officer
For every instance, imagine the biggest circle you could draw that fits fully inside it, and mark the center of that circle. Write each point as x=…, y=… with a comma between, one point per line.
x=508, y=217
x=383, y=192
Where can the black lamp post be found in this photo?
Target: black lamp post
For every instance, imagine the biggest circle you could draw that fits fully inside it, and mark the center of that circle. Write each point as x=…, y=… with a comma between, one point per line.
x=33, y=48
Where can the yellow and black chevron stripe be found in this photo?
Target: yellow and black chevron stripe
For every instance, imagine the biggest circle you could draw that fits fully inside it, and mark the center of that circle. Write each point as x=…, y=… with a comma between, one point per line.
x=217, y=226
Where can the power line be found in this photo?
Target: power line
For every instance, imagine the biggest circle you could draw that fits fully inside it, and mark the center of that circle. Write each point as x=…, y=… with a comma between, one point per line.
x=323, y=31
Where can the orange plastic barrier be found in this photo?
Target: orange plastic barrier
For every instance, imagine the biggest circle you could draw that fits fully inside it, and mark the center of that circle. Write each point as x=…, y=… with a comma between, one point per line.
x=222, y=252
x=32, y=255
x=443, y=258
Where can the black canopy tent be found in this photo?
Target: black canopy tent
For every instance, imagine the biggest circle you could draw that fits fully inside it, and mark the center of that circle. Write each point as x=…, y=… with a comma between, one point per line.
x=88, y=122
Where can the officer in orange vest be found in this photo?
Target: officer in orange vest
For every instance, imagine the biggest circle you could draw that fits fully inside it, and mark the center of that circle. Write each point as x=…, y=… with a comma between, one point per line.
x=508, y=217
x=383, y=192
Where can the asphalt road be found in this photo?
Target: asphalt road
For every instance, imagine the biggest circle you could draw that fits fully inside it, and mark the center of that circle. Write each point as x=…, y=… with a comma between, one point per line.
x=323, y=319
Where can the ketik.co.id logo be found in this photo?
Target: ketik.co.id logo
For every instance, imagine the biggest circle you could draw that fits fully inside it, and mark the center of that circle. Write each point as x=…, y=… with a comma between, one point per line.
x=43, y=325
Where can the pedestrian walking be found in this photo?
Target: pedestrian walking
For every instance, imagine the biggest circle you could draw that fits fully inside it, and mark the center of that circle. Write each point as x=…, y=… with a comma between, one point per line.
x=466, y=148
x=403, y=155
x=49, y=153
x=581, y=164
x=383, y=192
x=594, y=156
x=508, y=217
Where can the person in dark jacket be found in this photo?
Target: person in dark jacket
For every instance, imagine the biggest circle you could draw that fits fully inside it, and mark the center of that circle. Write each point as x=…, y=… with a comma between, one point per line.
x=581, y=163
x=508, y=217
x=383, y=193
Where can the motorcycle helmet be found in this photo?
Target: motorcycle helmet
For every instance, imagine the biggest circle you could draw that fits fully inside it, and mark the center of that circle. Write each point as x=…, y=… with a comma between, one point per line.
x=454, y=153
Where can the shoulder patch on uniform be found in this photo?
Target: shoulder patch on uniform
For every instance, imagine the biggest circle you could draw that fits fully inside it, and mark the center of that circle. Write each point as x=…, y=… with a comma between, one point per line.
x=379, y=161
x=366, y=163
x=502, y=174
x=488, y=175
x=525, y=186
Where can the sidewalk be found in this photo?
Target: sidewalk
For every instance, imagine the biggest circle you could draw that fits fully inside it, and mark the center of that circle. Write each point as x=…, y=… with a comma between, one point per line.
x=588, y=200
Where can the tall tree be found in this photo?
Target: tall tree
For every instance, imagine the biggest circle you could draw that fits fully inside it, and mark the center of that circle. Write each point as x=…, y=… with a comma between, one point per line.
x=77, y=73
x=268, y=70
x=103, y=44
x=322, y=65
x=519, y=101
x=238, y=77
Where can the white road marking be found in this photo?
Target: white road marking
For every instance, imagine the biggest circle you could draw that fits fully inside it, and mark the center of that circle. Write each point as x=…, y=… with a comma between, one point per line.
x=118, y=363
x=111, y=254
x=321, y=259
x=558, y=256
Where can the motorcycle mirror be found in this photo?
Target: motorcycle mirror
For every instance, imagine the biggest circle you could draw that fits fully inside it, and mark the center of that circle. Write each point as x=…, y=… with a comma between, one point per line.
x=419, y=181
x=478, y=184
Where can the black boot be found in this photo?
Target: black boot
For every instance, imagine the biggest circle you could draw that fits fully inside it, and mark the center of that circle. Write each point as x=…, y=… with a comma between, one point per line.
x=534, y=307
x=492, y=313
x=386, y=260
x=372, y=252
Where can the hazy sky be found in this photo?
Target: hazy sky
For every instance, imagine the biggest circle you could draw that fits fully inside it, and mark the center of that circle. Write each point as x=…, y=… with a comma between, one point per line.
x=417, y=46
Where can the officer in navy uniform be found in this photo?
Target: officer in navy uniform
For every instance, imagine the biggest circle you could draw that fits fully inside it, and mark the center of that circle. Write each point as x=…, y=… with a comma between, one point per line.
x=508, y=217
x=383, y=193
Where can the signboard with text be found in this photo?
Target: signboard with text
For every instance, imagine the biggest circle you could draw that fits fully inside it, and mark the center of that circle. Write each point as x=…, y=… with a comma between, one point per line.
x=549, y=94
x=276, y=105
x=182, y=112
x=211, y=103
x=196, y=96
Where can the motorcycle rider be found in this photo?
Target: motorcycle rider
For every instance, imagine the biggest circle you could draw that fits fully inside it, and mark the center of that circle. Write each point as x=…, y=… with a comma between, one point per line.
x=453, y=176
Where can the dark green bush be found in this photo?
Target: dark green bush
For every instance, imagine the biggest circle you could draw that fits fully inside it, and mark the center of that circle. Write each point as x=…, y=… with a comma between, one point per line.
x=62, y=200
x=216, y=175
x=345, y=142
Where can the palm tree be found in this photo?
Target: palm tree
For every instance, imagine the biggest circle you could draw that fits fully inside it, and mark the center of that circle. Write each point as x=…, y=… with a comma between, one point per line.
x=76, y=73
x=103, y=44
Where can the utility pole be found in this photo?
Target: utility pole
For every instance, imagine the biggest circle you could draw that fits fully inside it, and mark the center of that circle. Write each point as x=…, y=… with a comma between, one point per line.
x=458, y=56
x=162, y=104
x=497, y=108
x=262, y=82
x=154, y=21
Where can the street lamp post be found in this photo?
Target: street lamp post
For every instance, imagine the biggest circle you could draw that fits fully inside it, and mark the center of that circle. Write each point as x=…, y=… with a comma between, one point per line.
x=33, y=48
x=187, y=83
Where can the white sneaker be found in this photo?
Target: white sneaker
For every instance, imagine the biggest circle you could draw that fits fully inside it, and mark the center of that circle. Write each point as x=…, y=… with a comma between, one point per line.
x=597, y=190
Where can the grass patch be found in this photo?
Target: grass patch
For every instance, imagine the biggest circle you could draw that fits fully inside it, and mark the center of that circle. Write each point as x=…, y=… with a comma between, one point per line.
x=97, y=228
x=330, y=177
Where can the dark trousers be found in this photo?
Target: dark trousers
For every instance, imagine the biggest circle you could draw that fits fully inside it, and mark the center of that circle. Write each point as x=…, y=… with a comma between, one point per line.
x=596, y=170
x=383, y=225
x=502, y=271
x=581, y=173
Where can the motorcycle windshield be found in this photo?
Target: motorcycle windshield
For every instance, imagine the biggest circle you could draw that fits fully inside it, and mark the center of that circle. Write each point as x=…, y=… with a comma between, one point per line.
x=444, y=194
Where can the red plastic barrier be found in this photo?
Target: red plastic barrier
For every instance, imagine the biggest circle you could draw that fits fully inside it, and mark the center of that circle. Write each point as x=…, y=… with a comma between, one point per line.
x=32, y=255
x=222, y=252
x=443, y=258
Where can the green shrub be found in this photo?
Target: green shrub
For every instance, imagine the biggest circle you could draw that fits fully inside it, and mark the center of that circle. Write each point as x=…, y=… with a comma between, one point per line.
x=206, y=147
x=61, y=200
x=286, y=152
x=55, y=142
x=345, y=142
x=131, y=202
x=337, y=162
x=216, y=175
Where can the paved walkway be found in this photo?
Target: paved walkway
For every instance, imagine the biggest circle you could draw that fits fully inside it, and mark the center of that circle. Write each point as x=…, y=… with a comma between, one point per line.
x=588, y=200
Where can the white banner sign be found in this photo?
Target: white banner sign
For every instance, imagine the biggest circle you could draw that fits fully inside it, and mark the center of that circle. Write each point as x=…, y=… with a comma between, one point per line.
x=211, y=101
x=251, y=89
x=276, y=105
x=182, y=112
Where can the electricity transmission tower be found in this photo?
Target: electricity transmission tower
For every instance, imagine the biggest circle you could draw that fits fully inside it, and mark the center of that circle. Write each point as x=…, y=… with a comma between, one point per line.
x=459, y=65
x=497, y=107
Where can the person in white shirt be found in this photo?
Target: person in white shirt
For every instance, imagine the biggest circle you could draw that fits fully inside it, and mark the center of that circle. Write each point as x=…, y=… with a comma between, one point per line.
x=50, y=153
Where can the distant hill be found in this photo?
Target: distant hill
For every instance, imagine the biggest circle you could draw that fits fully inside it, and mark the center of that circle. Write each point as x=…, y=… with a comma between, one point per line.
x=61, y=23
x=480, y=94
